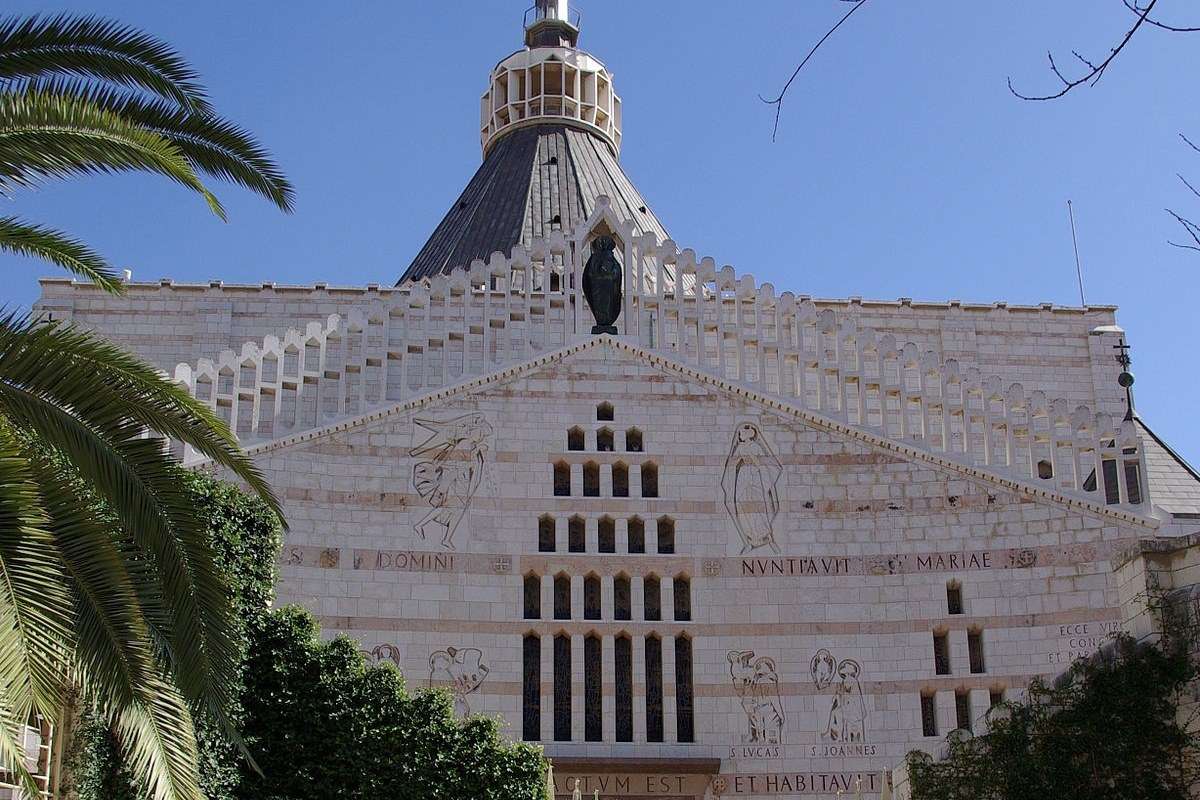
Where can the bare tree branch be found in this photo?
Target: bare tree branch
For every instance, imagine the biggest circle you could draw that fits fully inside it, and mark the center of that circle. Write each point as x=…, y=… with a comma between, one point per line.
x=1192, y=228
x=1133, y=6
x=1189, y=143
x=1095, y=71
x=1185, y=183
x=778, y=101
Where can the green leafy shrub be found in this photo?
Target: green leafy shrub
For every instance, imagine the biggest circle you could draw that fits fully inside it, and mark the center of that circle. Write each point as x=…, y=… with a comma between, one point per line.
x=1108, y=729
x=322, y=724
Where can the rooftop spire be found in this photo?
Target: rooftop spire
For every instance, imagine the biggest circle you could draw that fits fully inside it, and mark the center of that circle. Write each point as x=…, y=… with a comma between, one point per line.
x=551, y=25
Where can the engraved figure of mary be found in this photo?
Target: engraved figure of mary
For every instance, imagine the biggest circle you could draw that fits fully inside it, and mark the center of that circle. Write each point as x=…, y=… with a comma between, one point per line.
x=750, y=484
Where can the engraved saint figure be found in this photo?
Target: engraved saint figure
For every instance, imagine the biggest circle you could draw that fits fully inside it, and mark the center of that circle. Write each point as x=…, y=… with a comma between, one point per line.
x=463, y=669
x=450, y=471
x=756, y=682
x=750, y=484
x=848, y=714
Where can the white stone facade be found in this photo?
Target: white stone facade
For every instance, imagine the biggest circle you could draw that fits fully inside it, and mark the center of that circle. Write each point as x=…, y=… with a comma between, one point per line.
x=823, y=536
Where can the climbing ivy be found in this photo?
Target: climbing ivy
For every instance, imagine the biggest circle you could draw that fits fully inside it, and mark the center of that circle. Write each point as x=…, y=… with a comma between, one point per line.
x=1108, y=729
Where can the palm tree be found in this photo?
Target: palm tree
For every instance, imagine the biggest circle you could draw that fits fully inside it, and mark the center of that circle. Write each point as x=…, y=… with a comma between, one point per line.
x=106, y=575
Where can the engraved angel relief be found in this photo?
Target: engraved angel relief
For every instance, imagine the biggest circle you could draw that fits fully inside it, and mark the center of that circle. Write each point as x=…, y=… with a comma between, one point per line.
x=450, y=471
x=848, y=714
x=751, y=487
x=381, y=653
x=756, y=682
x=463, y=669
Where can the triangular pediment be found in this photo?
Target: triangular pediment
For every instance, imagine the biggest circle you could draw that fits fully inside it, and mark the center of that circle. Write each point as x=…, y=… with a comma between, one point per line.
x=789, y=413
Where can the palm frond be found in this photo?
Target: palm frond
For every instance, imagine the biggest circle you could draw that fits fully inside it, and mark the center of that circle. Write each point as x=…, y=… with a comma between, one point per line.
x=37, y=241
x=36, y=639
x=99, y=49
x=213, y=145
x=77, y=369
x=53, y=136
x=114, y=662
x=134, y=477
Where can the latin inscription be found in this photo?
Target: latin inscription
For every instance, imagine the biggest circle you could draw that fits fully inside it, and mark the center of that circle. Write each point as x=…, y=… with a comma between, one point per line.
x=1081, y=639
x=805, y=783
x=833, y=565
x=405, y=561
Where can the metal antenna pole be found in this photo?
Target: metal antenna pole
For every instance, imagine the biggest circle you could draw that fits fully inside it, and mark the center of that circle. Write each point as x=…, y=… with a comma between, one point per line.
x=1075, y=243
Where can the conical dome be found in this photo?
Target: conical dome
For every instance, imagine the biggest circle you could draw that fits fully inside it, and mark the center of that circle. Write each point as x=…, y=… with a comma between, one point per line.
x=551, y=136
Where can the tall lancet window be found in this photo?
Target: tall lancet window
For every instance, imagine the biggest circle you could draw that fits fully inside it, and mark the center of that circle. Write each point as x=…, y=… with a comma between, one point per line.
x=684, y=719
x=562, y=597
x=593, y=715
x=652, y=602
x=654, y=689
x=591, y=597
x=531, y=688
x=562, y=688
x=622, y=598
x=533, y=597
x=623, y=656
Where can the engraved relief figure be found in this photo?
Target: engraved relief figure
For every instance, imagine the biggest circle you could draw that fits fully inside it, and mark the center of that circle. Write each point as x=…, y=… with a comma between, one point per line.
x=757, y=684
x=381, y=653
x=450, y=471
x=463, y=669
x=750, y=483
x=848, y=713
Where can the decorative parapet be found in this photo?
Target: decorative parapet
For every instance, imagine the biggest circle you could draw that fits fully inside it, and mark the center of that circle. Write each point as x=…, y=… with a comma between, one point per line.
x=479, y=319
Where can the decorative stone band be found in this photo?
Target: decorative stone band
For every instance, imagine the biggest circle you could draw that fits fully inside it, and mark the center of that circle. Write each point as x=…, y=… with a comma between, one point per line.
x=481, y=320
x=777, y=567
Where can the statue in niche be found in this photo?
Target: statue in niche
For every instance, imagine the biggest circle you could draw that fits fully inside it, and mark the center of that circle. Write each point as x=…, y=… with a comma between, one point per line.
x=750, y=484
x=602, y=285
x=847, y=720
x=756, y=682
x=463, y=669
x=450, y=472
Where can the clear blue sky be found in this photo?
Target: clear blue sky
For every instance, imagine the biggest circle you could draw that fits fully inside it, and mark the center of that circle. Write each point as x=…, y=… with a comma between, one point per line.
x=903, y=166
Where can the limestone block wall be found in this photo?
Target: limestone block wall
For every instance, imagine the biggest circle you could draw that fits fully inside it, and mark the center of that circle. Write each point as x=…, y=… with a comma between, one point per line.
x=819, y=569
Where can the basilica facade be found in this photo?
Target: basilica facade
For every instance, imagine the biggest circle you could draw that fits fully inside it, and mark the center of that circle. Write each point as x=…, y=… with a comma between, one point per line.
x=741, y=543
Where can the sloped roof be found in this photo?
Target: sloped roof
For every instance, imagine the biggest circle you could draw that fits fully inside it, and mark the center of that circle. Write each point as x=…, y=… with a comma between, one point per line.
x=534, y=181
x=1174, y=484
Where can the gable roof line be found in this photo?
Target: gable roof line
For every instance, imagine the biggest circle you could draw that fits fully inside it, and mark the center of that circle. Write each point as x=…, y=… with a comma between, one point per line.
x=660, y=361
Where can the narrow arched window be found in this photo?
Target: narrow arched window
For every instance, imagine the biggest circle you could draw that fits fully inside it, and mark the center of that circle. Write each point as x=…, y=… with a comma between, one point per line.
x=576, y=536
x=593, y=712
x=622, y=598
x=575, y=439
x=682, y=595
x=1045, y=470
x=620, y=474
x=546, y=535
x=654, y=689
x=605, y=412
x=606, y=535
x=652, y=599
x=649, y=480
x=684, y=716
x=637, y=535
x=531, y=688
x=562, y=688
x=954, y=598
x=591, y=479
x=633, y=440
x=623, y=687
x=562, y=479
x=562, y=597
x=604, y=440
x=533, y=597
x=591, y=597
x=666, y=535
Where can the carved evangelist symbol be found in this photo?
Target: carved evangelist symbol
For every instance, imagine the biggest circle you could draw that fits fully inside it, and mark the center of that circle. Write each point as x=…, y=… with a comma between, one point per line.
x=756, y=682
x=449, y=472
x=751, y=487
x=848, y=714
x=381, y=653
x=463, y=669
